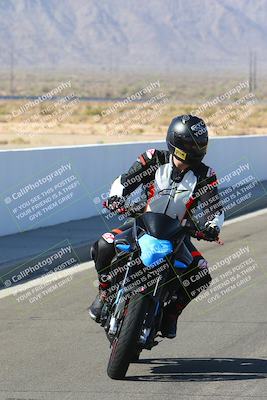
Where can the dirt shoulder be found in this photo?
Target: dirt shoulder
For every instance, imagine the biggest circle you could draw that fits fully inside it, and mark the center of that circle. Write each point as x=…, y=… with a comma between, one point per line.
x=78, y=123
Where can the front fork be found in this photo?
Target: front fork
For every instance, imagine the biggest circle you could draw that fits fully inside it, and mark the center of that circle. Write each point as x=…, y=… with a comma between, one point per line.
x=148, y=331
x=154, y=316
x=152, y=322
x=119, y=304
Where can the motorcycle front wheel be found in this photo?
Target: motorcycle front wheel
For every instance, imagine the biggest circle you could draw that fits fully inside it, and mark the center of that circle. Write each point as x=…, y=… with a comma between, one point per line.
x=125, y=347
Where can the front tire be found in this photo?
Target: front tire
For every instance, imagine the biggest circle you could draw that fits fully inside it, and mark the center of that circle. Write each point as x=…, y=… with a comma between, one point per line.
x=125, y=347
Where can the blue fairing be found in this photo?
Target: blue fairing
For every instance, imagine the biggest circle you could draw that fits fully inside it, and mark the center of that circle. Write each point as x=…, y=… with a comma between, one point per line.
x=180, y=264
x=153, y=250
x=124, y=247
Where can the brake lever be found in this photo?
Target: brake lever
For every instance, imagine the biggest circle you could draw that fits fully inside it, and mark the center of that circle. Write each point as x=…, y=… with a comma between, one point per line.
x=121, y=210
x=219, y=241
x=201, y=235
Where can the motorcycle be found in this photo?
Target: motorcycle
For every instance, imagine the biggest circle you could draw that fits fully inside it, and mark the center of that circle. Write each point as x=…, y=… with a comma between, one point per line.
x=142, y=286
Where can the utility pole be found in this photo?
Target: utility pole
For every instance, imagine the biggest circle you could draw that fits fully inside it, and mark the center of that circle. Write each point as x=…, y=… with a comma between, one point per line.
x=252, y=71
x=255, y=72
x=11, y=72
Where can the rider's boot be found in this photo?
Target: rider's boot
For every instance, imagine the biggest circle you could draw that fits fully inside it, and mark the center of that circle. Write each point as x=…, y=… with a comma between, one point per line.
x=95, y=309
x=169, y=321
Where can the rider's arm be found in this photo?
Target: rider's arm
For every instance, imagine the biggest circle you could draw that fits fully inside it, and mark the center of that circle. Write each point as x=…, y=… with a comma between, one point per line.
x=215, y=216
x=141, y=173
x=204, y=210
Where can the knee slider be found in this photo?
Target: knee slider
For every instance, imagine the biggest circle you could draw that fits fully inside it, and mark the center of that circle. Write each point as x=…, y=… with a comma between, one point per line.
x=94, y=250
x=102, y=253
x=100, y=246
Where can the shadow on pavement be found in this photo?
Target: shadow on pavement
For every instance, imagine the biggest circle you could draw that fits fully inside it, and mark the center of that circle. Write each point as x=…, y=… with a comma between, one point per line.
x=202, y=369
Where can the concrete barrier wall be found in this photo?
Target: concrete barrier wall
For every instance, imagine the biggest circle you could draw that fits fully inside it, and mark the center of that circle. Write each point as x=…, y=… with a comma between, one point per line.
x=47, y=186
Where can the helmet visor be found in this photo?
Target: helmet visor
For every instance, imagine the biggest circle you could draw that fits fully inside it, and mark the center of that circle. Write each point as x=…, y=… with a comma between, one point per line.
x=188, y=151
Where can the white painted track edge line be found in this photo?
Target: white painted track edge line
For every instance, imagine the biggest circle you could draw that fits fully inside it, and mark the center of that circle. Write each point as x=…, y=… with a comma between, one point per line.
x=45, y=279
x=252, y=214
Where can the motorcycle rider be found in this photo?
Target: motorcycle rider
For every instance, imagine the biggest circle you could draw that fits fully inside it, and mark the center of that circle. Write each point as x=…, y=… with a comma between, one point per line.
x=177, y=183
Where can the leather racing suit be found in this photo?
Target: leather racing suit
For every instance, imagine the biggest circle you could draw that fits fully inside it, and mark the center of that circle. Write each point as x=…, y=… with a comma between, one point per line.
x=191, y=196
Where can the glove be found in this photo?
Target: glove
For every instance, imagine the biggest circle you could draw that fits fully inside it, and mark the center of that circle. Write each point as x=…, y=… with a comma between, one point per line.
x=211, y=231
x=114, y=203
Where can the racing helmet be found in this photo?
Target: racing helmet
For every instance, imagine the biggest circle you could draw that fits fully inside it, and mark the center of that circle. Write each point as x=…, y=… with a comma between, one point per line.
x=187, y=139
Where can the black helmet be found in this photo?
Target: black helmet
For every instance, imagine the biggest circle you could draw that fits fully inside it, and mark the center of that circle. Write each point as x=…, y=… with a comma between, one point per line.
x=187, y=138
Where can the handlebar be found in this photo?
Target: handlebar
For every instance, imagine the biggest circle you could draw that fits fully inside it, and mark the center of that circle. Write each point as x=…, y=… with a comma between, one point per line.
x=198, y=234
x=131, y=211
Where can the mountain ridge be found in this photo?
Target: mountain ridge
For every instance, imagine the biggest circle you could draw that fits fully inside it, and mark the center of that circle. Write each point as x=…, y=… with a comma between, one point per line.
x=156, y=34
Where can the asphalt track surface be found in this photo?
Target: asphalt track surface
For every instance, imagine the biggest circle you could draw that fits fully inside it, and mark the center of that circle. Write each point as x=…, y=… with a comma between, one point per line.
x=51, y=350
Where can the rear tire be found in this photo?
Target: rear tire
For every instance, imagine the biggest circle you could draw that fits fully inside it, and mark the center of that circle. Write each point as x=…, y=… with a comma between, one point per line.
x=125, y=347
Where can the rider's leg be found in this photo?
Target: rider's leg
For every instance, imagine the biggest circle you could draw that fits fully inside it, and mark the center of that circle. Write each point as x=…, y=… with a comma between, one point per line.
x=102, y=253
x=188, y=288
